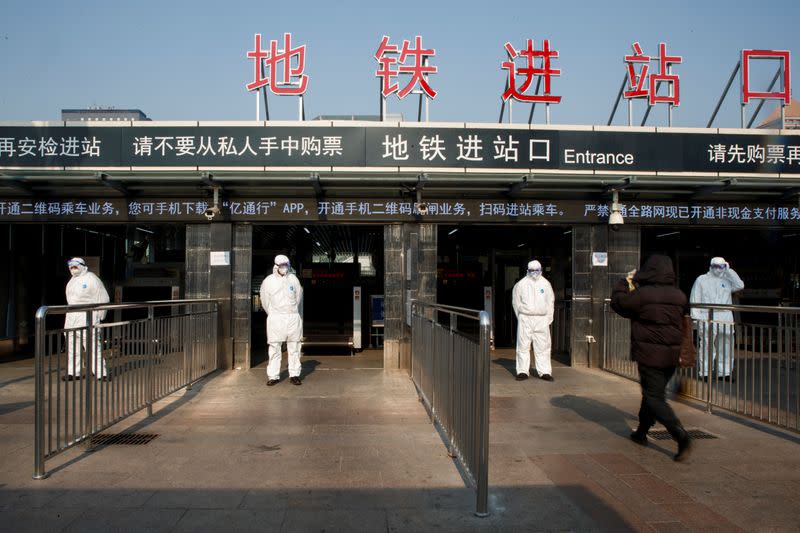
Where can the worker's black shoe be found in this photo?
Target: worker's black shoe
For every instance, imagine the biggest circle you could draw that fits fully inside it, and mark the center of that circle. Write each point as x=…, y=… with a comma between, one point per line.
x=547, y=377
x=271, y=382
x=70, y=377
x=522, y=377
x=295, y=380
x=105, y=378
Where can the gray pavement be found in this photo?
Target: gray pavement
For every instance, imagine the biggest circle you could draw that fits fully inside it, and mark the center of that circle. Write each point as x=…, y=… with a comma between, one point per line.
x=353, y=450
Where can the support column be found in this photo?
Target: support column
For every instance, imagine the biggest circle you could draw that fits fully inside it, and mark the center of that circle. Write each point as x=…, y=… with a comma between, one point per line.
x=242, y=312
x=206, y=281
x=591, y=285
x=410, y=263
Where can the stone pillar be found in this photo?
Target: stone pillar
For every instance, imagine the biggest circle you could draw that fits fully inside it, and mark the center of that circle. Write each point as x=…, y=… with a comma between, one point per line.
x=242, y=312
x=591, y=285
x=394, y=294
x=206, y=281
x=410, y=264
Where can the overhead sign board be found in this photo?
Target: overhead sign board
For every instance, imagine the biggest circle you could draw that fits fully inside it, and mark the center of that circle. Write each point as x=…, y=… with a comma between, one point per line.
x=377, y=210
x=460, y=147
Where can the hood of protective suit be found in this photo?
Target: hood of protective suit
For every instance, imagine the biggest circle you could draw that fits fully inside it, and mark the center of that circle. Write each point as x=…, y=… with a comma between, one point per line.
x=535, y=265
x=80, y=263
x=716, y=261
x=657, y=270
x=278, y=267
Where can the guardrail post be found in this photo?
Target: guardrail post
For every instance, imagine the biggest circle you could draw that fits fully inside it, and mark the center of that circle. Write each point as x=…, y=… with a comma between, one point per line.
x=150, y=358
x=451, y=388
x=482, y=475
x=38, y=449
x=89, y=368
x=709, y=350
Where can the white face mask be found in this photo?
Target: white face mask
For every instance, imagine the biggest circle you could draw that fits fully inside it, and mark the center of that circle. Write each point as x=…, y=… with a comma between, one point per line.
x=283, y=270
x=75, y=272
x=534, y=273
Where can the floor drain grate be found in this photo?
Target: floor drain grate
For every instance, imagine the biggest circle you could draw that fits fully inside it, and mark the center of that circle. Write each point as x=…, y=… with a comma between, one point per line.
x=663, y=434
x=129, y=439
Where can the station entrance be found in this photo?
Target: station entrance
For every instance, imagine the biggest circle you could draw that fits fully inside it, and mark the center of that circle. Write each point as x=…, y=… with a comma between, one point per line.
x=478, y=266
x=341, y=270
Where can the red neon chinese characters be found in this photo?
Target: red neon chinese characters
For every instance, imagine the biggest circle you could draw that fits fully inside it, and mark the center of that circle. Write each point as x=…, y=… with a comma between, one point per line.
x=272, y=60
x=637, y=89
x=419, y=69
x=785, y=93
x=639, y=86
x=529, y=71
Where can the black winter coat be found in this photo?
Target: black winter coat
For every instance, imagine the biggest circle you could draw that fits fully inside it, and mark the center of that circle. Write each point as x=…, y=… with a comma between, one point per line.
x=655, y=308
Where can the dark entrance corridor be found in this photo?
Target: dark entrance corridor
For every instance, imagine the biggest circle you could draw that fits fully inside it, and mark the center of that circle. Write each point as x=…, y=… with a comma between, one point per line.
x=474, y=258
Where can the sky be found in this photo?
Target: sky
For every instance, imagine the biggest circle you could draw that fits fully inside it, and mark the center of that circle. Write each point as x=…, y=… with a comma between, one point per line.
x=186, y=60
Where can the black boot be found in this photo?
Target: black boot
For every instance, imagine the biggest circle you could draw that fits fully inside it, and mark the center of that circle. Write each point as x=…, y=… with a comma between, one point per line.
x=684, y=446
x=639, y=437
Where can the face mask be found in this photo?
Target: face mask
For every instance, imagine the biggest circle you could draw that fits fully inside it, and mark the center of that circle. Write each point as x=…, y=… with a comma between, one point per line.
x=283, y=270
x=717, y=271
x=75, y=272
x=534, y=273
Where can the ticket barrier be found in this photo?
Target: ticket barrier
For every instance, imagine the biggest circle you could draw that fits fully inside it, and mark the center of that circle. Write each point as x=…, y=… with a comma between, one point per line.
x=334, y=332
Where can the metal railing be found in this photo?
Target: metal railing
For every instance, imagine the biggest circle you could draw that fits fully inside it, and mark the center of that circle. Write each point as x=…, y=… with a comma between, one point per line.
x=159, y=348
x=749, y=366
x=450, y=370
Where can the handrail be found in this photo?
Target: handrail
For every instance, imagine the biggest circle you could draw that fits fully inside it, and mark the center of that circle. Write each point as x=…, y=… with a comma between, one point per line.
x=749, y=366
x=134, y=362
x=451, y=373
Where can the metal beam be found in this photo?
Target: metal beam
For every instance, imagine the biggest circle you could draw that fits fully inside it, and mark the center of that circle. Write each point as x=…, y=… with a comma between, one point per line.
x=616, y=103
x=761, y=103
x=318, y=190
x=16, y=183
x=788, y=194
x=710, y=189
x=624, y=184
x=516, y=188
x=112, y=184
x=724, y=93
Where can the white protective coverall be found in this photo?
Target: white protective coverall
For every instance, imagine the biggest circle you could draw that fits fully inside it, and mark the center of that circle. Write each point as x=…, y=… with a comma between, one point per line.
x=533, y=302
x=83, y=288
x=715, y=287
x=282, y=300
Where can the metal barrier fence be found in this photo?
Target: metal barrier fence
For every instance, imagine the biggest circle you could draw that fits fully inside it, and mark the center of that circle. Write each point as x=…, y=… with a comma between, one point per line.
x=159, y=348
x=451, y=372
x=749, y=367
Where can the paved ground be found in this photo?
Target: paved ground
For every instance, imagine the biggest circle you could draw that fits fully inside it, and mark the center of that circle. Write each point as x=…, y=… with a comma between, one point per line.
x=353, y=450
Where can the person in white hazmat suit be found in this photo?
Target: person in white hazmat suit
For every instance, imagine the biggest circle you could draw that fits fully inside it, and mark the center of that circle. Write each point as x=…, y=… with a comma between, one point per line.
x=282, y=300
x=533, y=302
x=715, y=287
x=83, y=288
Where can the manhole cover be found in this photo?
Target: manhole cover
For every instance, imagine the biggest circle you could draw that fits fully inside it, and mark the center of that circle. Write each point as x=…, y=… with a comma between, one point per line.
x=129, y=439
x=663, y=434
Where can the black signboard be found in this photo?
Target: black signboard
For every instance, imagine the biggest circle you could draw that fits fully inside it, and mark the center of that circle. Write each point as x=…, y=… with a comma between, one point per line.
x=458, y=147
x=378, y=210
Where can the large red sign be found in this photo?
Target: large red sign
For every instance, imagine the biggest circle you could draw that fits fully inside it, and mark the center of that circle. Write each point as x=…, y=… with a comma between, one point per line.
x=784, y=93
x=282, y=70
x=412, y=60
x=281, y=77
x=644, y=84
x=529, y=53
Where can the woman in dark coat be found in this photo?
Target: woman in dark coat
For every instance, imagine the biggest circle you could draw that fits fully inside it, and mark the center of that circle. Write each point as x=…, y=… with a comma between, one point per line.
x=656, y=308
